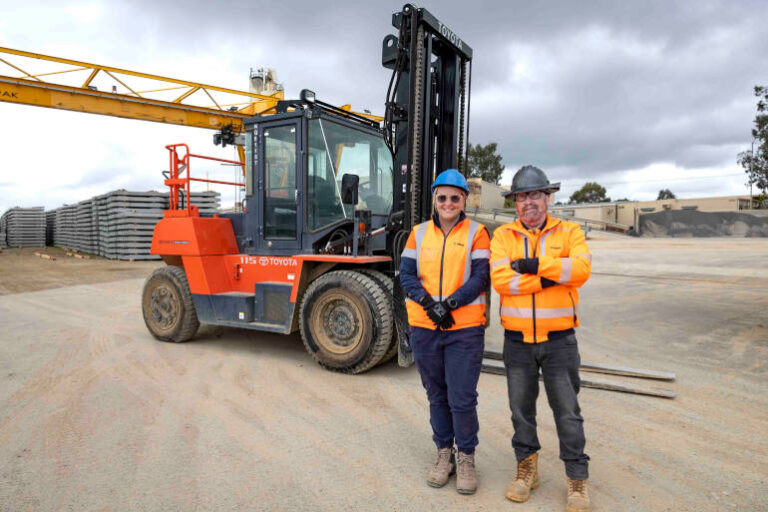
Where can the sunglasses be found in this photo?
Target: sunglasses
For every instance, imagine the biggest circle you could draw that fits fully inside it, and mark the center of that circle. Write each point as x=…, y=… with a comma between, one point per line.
x=533, y=195
x=454, y=199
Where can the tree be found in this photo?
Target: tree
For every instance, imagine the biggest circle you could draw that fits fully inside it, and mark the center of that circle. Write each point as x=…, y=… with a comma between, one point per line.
x=591, y=192
x=484, y=163
x=755, y=161
x=665, y=193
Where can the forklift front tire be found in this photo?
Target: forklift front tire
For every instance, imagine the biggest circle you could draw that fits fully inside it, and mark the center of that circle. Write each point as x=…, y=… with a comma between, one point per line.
x=167, y=306
x=346, y=321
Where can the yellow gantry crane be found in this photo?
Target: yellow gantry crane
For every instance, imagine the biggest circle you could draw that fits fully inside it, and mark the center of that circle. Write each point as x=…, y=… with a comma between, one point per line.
x=68, y=84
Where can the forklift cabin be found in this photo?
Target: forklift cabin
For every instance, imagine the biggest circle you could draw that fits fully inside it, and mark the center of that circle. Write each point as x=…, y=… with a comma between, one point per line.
x=298, y=162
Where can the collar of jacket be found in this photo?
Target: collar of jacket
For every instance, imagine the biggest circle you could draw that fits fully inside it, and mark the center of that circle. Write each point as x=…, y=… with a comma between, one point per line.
x=436, y=220
x=520, y=228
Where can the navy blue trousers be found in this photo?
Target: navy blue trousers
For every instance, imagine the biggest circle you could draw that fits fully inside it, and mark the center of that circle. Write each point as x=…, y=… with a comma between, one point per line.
x=559, y=362
x=449, y=364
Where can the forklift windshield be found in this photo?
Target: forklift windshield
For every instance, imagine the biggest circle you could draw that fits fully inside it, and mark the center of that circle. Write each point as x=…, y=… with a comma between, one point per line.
x=335, y=150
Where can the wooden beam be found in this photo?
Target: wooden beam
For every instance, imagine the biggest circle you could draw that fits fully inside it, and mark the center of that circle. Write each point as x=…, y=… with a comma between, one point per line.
x=607, y=369
x=624, y=388
x=627, y=372
x=498, y=369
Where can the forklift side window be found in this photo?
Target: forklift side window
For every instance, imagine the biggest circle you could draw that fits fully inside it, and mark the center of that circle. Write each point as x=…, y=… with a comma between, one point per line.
x=280, y=182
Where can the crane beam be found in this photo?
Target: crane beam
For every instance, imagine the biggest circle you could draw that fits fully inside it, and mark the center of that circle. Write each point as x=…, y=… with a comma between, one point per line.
x=28, y=92
x=80, y=65
x=132, y=103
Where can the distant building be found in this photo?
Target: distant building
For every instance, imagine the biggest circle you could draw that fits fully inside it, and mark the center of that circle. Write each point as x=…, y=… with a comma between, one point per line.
x=484, y=195
x=626, y=212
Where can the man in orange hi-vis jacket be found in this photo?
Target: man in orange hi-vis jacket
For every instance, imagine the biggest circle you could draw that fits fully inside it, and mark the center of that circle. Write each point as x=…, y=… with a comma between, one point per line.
x=537, y=265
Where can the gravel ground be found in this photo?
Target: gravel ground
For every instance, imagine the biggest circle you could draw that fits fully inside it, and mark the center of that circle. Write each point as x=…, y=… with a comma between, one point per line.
x=97, y=415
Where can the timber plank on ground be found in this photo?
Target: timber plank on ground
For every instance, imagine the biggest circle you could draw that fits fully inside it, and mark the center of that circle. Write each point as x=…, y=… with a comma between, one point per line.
x=491, y=366
x=623, y=371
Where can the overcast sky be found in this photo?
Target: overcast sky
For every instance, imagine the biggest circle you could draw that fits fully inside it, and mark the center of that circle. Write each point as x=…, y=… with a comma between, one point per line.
x=637, y=96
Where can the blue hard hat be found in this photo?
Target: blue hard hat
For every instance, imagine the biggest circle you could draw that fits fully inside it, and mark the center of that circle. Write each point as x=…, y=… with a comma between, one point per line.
x=451, y=178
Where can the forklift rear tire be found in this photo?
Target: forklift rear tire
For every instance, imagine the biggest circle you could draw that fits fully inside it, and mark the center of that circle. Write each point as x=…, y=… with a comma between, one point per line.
x=167, y=306
x=346, y=321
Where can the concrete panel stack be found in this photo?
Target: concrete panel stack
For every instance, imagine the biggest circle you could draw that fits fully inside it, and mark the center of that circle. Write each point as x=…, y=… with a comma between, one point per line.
x=85, y=236
x=3, y=243
x=24, y=227
x=125, y=220
x=64, y=226
x=116, y=225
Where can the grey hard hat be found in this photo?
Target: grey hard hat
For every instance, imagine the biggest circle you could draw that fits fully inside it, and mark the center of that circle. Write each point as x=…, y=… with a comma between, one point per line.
x=530, y=178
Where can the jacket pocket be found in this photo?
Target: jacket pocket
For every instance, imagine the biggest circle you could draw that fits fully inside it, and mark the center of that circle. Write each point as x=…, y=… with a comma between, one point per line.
x=573, y=306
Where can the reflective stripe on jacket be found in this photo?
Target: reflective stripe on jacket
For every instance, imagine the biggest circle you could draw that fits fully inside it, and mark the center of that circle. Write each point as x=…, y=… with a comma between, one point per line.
x=564, y=257
x=443, y=265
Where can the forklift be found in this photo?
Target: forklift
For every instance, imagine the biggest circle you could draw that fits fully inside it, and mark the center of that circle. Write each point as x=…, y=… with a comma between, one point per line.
x=330, y=198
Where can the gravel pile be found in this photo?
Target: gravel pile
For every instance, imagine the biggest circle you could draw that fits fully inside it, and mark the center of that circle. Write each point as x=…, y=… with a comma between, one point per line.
x=692, y=223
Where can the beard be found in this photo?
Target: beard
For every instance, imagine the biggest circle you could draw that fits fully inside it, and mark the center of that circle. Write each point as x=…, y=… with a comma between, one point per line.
x=532, y=215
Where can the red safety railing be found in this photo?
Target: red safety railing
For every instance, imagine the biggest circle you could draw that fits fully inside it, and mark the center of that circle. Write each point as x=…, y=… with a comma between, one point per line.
x=180, y=178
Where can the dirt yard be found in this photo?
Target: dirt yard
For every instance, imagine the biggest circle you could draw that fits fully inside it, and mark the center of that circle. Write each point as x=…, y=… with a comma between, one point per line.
x=97, y=415
x=21, y=271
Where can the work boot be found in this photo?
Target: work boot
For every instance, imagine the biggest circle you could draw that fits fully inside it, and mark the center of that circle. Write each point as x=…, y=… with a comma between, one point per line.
x=466, y=476
x=578, y=497
x=444, y=467
x=527, y=479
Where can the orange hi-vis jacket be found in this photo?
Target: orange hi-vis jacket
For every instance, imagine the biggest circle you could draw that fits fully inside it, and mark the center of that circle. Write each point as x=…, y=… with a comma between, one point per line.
x=564, y=257
x=443, y=265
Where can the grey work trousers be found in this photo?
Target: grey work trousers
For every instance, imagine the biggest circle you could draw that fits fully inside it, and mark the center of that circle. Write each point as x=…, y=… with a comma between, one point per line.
x=559, y=362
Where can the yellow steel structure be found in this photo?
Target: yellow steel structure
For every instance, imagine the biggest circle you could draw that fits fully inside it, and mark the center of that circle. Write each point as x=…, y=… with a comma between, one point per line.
x=131, y=103
x=39, y=90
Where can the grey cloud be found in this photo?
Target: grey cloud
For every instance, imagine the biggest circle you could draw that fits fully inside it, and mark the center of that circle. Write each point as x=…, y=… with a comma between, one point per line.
x=612, y=86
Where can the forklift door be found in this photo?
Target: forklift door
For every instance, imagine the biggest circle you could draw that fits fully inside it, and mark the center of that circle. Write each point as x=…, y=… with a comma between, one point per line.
x=280, y=186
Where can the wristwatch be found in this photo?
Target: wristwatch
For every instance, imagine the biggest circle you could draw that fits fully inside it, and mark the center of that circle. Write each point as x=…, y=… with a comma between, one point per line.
x=451, y=302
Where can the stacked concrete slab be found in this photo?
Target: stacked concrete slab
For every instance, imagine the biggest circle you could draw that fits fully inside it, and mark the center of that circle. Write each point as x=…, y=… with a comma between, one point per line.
x=3, y=243
x=86, y=237
x=64, y=226
x=24, y=227
x=126, y=220
x=118, y=224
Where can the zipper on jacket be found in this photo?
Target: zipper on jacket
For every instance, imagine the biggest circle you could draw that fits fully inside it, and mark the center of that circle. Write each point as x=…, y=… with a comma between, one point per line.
x=442, y=257
x=573, y=305
x=533, y=295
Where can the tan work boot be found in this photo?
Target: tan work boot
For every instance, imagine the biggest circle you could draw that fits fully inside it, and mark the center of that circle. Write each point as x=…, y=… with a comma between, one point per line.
x=466, y=476
x=444, y=467
x=527, y=479
x=578, y=497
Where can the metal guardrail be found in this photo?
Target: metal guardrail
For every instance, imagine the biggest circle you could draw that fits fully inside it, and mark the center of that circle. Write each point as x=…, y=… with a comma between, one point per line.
x=587, y=224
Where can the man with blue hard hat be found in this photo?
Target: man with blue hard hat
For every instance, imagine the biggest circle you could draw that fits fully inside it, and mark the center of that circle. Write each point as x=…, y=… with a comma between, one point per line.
x=444, y=272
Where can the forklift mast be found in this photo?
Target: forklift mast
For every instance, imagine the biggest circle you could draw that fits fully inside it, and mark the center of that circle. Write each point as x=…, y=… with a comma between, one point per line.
x=426, y=119
x=426, y=126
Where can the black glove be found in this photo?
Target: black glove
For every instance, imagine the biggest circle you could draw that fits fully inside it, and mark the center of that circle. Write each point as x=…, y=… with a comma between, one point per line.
x=546, y=283
x=447, y=321
x=438, y=312
x=526, y=266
